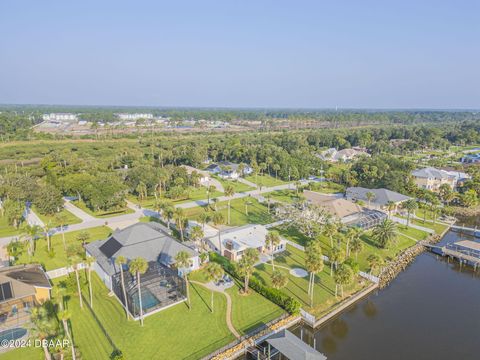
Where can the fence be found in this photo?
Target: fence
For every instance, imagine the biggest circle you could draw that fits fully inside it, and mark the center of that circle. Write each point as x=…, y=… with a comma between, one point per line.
x=370, y=277
x=56, y=273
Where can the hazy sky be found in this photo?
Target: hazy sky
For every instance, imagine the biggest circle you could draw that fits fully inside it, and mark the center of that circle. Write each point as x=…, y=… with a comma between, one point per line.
x=241, y=53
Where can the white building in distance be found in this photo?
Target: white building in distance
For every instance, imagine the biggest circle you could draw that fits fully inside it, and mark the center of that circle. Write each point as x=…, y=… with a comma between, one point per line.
x=136, y=116
x=60, y=117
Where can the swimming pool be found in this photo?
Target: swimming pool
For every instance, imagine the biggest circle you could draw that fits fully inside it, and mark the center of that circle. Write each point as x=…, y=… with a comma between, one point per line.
x=148, y=300
x=12, y=334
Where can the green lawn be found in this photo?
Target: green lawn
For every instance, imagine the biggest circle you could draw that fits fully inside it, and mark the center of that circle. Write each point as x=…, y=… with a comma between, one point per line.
x=102, y=214
x=324, y=292
x=248, y=311
x=264, y=180
x=6, y=229
x=50, y=219
x=370, y=247
x=410, y=231
x=237, y=186
x=59, y=259
x=195, y=194
x=326, y=187
x=438, y=228
x=257, y=213
x=26, y=353
x=286, y=196
x=175, y=333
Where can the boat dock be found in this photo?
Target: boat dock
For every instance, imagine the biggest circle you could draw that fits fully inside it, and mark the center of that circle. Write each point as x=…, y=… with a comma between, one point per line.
x=464, y=251
x=474, y=231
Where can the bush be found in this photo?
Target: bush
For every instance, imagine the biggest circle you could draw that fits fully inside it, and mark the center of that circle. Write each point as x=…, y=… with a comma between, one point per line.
x=286, y=302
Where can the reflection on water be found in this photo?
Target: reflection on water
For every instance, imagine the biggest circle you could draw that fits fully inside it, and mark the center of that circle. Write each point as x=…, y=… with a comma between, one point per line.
x=430, y=311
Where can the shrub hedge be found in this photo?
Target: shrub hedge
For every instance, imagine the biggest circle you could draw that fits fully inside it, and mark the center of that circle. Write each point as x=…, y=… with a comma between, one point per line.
x=286, y=302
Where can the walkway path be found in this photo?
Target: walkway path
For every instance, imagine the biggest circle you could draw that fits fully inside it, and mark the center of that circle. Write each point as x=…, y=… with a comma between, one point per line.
x=246, y=182
x=228, y=315
x=418, y=227
x=32, y=218
x=78, y=212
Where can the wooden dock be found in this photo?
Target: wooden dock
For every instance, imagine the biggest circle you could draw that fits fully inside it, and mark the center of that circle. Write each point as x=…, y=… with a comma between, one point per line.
x=465, y=252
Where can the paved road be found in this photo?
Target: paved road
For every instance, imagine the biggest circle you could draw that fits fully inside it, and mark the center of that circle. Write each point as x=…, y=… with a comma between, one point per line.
x=246, y=182
x=78, y=212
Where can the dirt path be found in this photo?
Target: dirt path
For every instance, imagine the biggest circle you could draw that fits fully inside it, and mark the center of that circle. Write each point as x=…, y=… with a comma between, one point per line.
x=229, y=306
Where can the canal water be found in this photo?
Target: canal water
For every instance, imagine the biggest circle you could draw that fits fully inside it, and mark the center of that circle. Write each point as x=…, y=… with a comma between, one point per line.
x=430, y=311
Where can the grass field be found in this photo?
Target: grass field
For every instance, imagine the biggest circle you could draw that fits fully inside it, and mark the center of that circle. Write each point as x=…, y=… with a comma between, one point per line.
x=195, y=194
x=370, y=247
x=59, y=259
x=7, y=230
x=257, y=213
x=237, y=186
x=175, y=333
x=327, y=187
x=264, y=180
x=324, y=292
x=25, y=353
x=248, y=311
x=51, y=220
x=286, y=196
x=102, y=214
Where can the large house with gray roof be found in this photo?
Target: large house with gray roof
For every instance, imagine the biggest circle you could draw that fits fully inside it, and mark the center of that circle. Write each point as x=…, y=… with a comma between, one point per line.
x=161, y=285
x=380, y=199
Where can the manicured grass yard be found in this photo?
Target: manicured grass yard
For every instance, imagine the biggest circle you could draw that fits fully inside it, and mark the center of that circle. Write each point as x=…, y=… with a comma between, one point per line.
x=6, y=229
x=50, y=219
x=24, y=353
x=199, y=193
x=237, y=185
x=286, y=196
x=59, y=260
x=327, y=187
x=257, y=213
x=101, y=213
x=370, y=247
x=174, y=333
x=324, y=292
x=248, y=311
x=264, y=180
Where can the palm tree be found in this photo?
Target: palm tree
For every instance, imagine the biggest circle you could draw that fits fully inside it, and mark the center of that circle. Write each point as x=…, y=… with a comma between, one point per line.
x=271, y=241
x=219, y=220
x=390, y=207
x=120, y=261
x=44, y=327
x=268, y=196
x=246, y=265
x=356, y=246
x=410, y=205
x=61, y=220
x=370, y=197
x=336, y=256
x=169, y=213
x=74, y=260
x=279, y=279
x=350, y=236
x=330, y=230
x=210, y=189
x=196, y=234
x=385, y=233
x=46, y=229
x=247, y=203
x=205, y=217
x=179, y=217
x=297, y=187
x=314, y=264
x=89, y=261
x=343, y=276
x=32, y=231
x=137, y=267
x=141, y=190
x=182, y=261
x=213, y=272
x=63, y=314
x=375, y=262
x=229, y=192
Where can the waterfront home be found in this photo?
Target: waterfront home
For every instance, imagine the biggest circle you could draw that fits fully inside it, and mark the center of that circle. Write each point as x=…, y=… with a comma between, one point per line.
x=379, y=198
x=346, y=211
x=161, y=284
x=235, y=241
x=432, y=179
x=21, y=288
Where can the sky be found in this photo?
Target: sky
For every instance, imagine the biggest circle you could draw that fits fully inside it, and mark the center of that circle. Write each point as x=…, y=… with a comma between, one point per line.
x=232, y=53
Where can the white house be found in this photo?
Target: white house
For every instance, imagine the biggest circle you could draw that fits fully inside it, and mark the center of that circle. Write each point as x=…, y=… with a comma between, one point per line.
x=229, y=170
x=236, y=240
